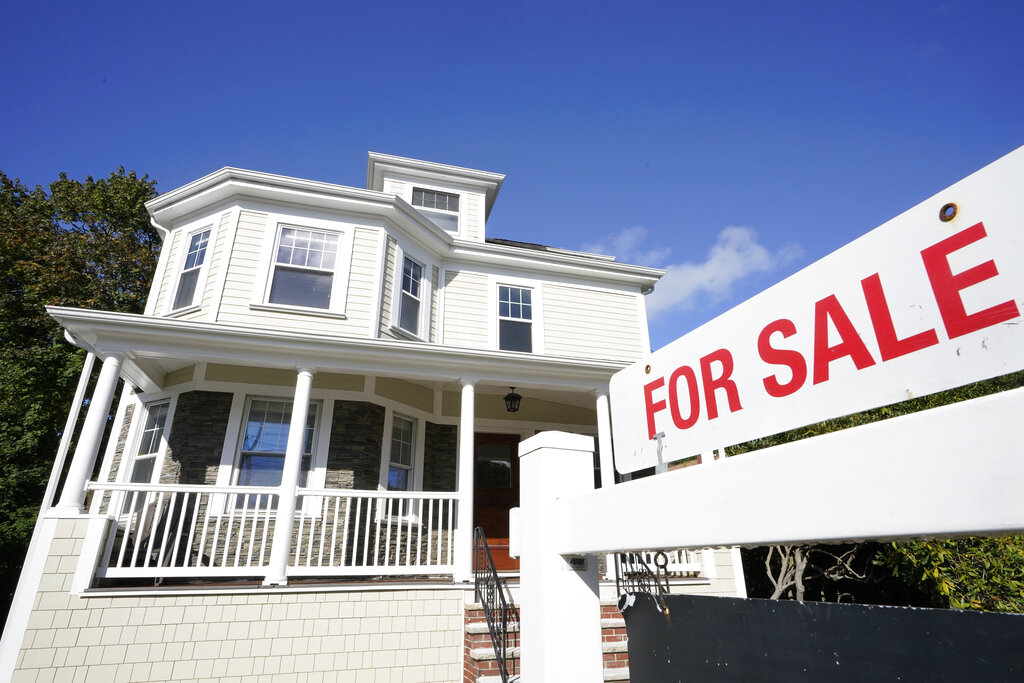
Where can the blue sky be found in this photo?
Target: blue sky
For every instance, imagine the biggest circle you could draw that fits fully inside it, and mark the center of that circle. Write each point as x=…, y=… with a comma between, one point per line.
x=729, y=142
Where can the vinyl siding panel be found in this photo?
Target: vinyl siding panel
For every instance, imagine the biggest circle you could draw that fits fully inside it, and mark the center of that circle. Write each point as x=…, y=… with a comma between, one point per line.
x=364, y=279
x=473, y=215
x=218, y=261
x=169, y=276
x=466, y=314
x=584, y=323
x=388, y=289
x=435, y=295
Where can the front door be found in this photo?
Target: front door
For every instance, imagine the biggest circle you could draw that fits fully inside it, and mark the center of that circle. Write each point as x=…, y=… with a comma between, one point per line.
x=496, y=492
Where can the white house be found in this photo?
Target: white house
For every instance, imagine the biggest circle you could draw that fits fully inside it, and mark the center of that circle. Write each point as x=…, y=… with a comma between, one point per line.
x=314, y=414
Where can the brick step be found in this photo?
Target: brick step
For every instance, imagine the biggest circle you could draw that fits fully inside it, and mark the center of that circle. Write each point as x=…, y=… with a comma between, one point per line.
x=484, y=654
x=617, y=675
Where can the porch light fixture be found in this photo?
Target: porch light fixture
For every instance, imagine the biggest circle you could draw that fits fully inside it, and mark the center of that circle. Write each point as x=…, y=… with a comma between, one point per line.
x=512, y=400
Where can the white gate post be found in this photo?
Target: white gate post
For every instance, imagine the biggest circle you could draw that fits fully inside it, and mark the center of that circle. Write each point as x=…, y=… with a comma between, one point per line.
x=560, y=609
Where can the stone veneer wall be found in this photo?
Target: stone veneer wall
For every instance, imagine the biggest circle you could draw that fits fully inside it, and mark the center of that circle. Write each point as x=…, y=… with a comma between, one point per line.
x=439, y=457
x=353, y=458
x=366, y=635
x=197, y=438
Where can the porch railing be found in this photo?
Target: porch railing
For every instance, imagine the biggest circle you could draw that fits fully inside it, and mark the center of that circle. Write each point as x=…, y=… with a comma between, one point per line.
x=166, y=530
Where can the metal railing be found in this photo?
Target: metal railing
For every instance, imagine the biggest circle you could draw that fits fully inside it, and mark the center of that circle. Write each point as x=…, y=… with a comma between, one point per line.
x=499, y=611
x=169, y=530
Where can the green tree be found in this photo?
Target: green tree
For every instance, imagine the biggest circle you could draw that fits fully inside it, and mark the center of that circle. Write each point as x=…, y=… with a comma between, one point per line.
x=87, y=244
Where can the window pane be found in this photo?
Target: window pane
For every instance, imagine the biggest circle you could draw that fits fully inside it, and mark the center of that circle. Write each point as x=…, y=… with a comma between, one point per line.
x=186, y=289
x=260, y=470
x=409, y=318
x=398, y=479
x=515, y=335
x=296, y=287
x=445, y=221
x=142, y=473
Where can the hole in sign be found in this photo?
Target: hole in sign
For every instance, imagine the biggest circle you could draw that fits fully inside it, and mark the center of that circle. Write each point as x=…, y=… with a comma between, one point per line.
x=947, y=212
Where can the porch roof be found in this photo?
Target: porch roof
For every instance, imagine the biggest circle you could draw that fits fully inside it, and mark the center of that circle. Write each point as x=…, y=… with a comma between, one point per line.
x=153, y=346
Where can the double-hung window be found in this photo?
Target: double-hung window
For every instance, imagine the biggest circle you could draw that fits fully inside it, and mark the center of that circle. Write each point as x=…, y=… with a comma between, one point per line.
x=442, y=208
x=303, y=268
x=400, y=469
x=265, y=439
x=411, y=296
x=150, y=443
x=515, y=318
x=192, y=267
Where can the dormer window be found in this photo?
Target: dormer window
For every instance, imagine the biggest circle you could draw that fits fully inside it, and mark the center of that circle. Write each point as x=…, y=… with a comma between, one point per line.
x=194, y=260
x=442, y=208
x=303, y=269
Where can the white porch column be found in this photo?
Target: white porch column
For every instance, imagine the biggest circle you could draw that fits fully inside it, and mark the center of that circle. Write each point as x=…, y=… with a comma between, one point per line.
x=82, y=463
x=277, y=570
x=464, y=531
x=604, y=439
x=560, y=610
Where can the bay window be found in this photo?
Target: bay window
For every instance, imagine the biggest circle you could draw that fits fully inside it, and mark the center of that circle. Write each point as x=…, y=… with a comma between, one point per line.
x=303, y=268
x=188, y=281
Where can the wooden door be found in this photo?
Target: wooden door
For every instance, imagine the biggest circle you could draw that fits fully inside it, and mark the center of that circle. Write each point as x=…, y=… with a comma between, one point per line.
x=496, y=491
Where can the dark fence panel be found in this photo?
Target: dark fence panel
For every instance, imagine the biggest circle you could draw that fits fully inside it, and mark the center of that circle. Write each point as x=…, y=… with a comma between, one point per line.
x=731, y=639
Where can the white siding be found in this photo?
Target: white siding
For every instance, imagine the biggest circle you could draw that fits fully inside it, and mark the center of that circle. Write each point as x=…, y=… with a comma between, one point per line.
x=364, y=280
x=584, y=323
x=387, y=290
x=473, y=216
x=217, y=261
x=466, y=311
x=169, y=276
x=435, y=295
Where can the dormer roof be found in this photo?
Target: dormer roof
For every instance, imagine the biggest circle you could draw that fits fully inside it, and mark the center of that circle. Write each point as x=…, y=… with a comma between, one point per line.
x=379, y=165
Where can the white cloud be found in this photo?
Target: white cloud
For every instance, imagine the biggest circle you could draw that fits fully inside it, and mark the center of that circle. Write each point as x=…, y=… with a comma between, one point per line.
x=629, y=247
x=735, y=255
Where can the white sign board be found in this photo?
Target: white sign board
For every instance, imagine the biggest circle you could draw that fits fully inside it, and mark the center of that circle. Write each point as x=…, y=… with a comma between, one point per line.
x=928, y=301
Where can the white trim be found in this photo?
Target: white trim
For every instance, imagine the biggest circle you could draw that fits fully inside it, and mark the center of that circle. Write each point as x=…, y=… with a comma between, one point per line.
x=536, y=304
x=378, y=276
x=230, y=234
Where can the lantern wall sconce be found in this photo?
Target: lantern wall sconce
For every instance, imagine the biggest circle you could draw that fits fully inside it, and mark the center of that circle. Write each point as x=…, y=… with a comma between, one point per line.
x=512, y=400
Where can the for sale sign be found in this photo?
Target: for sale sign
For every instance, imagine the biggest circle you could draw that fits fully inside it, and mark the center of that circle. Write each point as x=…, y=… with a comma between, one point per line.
x=928, y=301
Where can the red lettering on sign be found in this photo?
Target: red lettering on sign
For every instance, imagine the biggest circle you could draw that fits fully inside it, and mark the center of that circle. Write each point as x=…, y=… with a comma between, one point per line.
x=673, y=397
x=788, y=357
x=653, y=406
x=721, y=382
x=851, y=345
x=889, y=345
x=947, y=286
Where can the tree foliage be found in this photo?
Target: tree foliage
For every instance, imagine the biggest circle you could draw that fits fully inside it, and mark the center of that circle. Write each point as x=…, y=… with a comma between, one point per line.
x=76, y=243
x=966, y=573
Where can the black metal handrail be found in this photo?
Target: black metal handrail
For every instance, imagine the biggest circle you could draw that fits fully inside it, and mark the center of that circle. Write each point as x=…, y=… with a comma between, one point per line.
x=499, y=611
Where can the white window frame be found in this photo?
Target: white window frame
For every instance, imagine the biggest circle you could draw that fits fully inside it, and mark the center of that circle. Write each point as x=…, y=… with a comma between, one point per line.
x=427, y=210
x=397, y=295
x=134, y=441
x=202, y=270
x=416, y=473
x=276, y=223
x=536, y=312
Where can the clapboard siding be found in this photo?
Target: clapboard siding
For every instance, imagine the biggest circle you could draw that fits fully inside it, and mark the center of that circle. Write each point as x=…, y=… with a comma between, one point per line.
x=465, y=309
x=364, y=279
x=473, y=215
x=587, y=323
x=435, y=295
x=217, y=260
x=167, y=278
x=388, y=289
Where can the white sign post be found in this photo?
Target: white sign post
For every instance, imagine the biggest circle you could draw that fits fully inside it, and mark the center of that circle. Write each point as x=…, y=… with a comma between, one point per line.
x=928, y=301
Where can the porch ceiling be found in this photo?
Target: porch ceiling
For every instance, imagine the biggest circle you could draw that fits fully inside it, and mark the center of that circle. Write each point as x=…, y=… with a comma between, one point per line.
x=153, y=347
